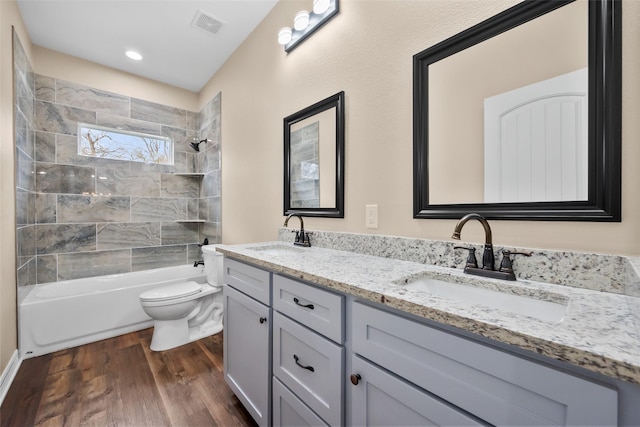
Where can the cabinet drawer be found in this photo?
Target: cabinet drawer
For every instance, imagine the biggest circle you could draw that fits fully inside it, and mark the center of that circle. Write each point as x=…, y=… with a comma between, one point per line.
x=382, y=399
x=289, y=411
x=309, y=365
x=316, y=308
x=498, y=387
x=248, y=279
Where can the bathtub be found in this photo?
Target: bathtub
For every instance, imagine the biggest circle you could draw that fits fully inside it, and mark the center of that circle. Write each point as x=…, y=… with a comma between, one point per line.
x=65, y=314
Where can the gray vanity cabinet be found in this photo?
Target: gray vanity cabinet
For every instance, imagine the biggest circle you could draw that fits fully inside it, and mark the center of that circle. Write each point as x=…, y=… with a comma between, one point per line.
x=308, y=353
x=297, y=354
x=495, y=386
x=247, y=337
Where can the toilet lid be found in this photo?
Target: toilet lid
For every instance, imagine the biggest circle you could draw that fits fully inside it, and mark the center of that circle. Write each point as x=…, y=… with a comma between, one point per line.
x=178, y=290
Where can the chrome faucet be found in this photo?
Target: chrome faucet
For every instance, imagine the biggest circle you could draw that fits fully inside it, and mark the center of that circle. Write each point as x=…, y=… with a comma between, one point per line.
x=488, y=259
x=302, y=238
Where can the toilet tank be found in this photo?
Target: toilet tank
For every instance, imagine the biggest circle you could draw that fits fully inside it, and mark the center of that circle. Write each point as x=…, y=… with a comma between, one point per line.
x=213, y=264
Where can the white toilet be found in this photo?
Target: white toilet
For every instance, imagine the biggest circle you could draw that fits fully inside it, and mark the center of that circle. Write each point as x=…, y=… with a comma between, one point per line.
x=187, y=311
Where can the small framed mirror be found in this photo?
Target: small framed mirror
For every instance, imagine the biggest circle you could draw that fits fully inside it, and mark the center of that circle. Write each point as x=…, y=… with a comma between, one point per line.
x=314, y=159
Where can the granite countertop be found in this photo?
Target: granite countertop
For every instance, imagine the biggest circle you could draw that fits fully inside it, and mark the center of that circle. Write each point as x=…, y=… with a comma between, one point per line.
x=597, y=332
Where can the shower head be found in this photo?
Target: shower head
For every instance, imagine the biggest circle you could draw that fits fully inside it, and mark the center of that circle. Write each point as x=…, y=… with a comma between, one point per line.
x=196, y=145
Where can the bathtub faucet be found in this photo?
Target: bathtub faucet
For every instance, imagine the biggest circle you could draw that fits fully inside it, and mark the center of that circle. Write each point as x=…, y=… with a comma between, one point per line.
x=197, y=263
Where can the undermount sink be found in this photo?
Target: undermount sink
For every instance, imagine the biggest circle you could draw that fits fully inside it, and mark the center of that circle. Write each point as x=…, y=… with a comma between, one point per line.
x=277, y=249
x=548, y=311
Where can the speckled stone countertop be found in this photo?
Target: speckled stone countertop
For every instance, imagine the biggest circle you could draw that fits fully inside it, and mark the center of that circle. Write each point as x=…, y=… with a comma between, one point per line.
x=598, y=332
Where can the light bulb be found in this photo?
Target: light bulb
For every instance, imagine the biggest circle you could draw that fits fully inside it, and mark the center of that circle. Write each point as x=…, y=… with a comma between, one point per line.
x=301, y=20
x=320, y=6
x=284, y=35
x=133, y=55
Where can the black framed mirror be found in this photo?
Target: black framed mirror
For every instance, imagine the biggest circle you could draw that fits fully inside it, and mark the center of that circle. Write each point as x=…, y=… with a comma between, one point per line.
x=494, y=155
x=314, y=159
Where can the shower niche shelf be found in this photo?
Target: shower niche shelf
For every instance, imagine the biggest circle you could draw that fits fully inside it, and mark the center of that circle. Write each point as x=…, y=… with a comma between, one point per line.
x=191, y=174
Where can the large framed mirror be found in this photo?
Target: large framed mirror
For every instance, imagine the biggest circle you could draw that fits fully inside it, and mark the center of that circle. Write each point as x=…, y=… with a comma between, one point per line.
x=314, y=159
x=519, y=117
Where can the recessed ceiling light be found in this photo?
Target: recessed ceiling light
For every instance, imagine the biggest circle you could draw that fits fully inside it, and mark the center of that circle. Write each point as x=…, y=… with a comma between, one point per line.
x=133, y=55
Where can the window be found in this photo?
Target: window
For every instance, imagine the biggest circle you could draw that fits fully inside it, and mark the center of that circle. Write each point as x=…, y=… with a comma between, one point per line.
x=106, y=143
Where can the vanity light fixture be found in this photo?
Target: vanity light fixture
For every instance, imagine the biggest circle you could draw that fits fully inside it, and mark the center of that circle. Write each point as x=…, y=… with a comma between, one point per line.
x=305, y=23
x=133, y=55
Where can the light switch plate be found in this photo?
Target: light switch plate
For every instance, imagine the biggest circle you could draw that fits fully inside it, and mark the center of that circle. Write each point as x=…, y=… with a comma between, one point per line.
x=371, y=216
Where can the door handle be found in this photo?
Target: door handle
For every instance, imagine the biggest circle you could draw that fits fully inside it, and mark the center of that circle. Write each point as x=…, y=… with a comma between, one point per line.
x=308, y=368
x=355, y=379
x=309, y=306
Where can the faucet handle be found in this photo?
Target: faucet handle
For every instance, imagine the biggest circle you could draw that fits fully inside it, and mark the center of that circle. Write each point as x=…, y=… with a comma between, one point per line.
x=506, y=265
x=472, y=262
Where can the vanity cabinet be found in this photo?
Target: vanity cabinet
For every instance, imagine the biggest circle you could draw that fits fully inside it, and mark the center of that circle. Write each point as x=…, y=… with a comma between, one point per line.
x=247, y=337
x=298, y=354
x=308, y=353
x=467, y=376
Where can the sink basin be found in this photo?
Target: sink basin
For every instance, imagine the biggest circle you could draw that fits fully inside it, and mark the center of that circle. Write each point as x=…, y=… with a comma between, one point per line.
x=548, y=311
x=277, y=250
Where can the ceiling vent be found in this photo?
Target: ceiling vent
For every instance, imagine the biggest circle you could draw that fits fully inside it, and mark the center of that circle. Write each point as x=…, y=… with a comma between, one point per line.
x=206, y=22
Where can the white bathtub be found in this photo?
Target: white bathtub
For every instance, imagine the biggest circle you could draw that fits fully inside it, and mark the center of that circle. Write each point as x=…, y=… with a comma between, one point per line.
x=65, y=314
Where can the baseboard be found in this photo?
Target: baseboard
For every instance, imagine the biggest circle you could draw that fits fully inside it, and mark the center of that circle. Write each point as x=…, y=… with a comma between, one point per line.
x=9, y=374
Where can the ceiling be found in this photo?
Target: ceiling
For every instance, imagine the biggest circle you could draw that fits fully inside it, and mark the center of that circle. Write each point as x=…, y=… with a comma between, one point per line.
x=174, y=51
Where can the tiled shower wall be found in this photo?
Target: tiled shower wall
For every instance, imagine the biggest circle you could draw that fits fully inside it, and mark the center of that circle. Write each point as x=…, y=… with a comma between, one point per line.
x=81, y=216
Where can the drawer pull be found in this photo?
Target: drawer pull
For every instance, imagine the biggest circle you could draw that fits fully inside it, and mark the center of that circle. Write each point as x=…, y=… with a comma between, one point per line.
x=355, y=379
x=308, y=368
x=297, y=301
x=263, y=319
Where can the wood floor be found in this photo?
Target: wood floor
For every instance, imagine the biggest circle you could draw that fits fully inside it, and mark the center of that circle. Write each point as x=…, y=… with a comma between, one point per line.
x=120, y=382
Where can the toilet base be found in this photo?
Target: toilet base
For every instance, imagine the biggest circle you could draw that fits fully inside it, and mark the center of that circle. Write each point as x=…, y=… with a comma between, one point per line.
x=168, y=334
x=204, y=320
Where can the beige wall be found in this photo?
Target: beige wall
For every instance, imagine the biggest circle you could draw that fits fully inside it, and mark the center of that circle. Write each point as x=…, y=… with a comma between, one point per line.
x=60, y=66
x=9, y=16
x=367, y=51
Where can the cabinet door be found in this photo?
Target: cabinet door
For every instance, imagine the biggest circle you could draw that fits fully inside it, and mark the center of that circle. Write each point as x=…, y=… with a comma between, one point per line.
x=382, y=399
x=247, y=352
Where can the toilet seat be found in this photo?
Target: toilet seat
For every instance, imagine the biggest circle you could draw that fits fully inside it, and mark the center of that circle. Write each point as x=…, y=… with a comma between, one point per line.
x=171, y=292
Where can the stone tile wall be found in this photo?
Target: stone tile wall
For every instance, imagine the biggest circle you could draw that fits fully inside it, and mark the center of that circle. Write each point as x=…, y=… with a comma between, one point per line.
x=81, y=216
x=208, y=162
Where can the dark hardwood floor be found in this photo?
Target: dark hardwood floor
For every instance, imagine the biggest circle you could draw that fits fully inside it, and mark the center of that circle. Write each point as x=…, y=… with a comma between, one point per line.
x=120, y=382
